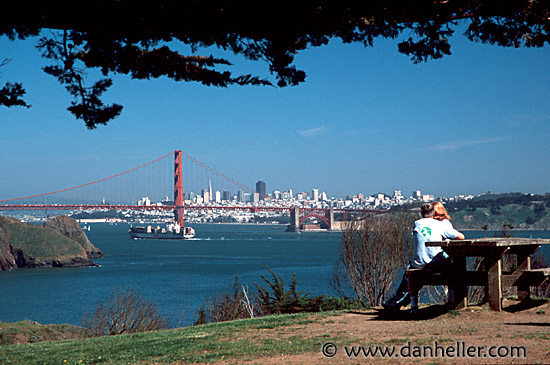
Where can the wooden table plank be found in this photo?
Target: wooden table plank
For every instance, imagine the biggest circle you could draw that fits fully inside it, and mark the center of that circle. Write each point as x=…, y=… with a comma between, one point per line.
x=490, y=242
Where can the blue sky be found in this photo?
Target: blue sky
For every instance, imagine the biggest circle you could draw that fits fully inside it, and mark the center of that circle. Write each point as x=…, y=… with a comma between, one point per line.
x=366, y=120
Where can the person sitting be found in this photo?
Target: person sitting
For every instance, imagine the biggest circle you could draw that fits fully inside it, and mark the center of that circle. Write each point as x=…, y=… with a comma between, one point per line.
x=426, y=229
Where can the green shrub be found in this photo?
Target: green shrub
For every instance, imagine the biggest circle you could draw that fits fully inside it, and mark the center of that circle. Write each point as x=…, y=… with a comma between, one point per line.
x=338, y=303
x=226, y=306
x=278, y=300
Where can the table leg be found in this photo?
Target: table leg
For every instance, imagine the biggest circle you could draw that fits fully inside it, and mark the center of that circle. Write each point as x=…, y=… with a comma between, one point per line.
x=524, y=263
x=523, y=257
x=460, y=288
x=493, y=266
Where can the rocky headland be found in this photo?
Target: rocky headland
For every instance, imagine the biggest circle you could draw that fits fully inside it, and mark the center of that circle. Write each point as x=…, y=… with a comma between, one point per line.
x=59, y=242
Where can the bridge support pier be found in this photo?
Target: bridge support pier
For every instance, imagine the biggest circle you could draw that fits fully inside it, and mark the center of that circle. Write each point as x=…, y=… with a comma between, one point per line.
x=294, y=225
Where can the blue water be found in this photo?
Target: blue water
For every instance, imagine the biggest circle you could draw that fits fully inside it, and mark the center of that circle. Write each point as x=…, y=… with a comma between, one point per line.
x=178, y=276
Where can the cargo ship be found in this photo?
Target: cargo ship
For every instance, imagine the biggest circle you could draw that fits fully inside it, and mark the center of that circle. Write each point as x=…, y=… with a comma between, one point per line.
x=171, y=232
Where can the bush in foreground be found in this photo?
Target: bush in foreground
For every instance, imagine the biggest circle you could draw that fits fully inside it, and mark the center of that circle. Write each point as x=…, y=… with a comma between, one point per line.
x=227, y=306
x=238, y=303
x=125, y=312
x=373, y=251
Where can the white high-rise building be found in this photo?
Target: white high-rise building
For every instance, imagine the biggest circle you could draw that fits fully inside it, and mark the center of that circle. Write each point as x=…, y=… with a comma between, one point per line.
x=145, y=201
x=205, y=196
x=427, y=198
x=218, y=196
x=315, y=195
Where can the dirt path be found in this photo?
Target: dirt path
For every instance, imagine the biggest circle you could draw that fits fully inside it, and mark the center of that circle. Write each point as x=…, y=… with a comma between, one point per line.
x=473, y=335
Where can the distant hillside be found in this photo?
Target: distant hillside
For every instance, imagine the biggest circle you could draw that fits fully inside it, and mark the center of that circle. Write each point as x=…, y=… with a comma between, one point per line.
x=60, y=242
x=522, y=211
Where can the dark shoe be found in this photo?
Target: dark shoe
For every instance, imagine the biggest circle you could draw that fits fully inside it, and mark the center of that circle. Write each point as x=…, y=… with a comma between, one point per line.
x=413, y=310
x=405, y=300
x=392, y=307
x=391, y=304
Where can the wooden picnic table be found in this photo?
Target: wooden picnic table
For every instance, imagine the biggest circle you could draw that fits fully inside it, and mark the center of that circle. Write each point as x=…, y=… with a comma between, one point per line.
x=492, y=250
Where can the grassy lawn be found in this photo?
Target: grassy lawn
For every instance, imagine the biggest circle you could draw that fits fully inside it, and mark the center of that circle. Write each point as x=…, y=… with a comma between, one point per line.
x=29, y=331
x=38, y=242
x=207, y=343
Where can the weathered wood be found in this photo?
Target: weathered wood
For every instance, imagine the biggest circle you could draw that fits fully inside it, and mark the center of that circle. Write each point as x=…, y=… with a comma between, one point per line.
x=475, y=251
x=526, y=278
x=428, y=277
x=490, y=242
x=492, y=251
x=493, y=265
x=523, y=259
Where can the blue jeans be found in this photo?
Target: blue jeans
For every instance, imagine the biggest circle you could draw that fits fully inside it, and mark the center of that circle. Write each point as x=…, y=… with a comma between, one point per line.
x=438, y=263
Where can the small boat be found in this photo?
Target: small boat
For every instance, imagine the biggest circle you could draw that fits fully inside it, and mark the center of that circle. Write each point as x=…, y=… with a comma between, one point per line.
x=171, y=232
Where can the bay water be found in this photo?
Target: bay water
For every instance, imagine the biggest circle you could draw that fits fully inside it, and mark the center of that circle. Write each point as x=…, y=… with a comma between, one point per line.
x=178, y=276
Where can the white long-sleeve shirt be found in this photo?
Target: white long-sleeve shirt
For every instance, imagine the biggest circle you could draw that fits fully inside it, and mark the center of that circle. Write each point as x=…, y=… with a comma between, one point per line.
x=428, y=230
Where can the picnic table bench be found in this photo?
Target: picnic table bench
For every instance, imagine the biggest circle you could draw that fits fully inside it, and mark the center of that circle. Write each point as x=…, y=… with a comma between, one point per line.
x=492, y=276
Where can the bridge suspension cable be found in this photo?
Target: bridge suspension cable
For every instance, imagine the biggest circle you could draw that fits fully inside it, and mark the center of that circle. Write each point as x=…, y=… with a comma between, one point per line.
x=210, y=169
x=90, y=183
x=137, y=186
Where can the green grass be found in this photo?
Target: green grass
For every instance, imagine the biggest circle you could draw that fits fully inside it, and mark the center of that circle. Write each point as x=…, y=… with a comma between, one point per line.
x=540, y=336
x=40, y=242
x=207, y=343
x=28, y=331
x=453, y=313
x=513, y=213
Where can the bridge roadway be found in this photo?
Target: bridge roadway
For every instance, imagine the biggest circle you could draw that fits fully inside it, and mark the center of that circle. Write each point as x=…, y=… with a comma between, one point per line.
x=173, y=207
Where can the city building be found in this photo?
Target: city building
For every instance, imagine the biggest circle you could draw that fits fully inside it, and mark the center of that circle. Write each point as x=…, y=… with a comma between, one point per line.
x=145, y=201
x=205, y=195
x=260, y=189
x=315, y=195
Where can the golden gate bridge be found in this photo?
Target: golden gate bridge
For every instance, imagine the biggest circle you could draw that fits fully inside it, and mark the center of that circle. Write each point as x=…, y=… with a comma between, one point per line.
x=121, y=192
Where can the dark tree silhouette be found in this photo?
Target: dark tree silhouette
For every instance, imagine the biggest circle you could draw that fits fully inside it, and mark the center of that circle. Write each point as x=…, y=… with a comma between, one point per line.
x=143, y=39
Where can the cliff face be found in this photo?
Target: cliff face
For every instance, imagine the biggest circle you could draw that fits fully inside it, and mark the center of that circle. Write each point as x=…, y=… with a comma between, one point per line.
x=60, y=242
x=69, y=228
x=7, y=261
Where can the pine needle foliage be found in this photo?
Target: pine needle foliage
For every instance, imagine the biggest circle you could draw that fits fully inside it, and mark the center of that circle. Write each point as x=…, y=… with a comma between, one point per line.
x=278, y=300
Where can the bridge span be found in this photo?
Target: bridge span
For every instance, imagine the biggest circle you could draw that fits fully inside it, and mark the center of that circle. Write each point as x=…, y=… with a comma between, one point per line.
x=298, y=215
x=117, y=188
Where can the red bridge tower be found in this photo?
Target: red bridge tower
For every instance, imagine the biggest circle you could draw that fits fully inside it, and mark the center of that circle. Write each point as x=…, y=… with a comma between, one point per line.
x=178, y=188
